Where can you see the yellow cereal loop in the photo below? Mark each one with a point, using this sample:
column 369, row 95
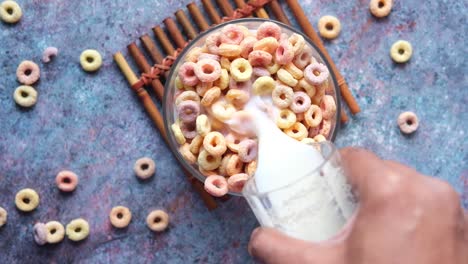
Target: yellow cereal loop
column 263, row 85
column 286, row 119
column 187, row 95
column 307, row 87
column 297, row 131
column 179, row 136
column 319, row 138
column 10, row 12
column 313, row 116
column 196, row 144
column 237, row 97
column 77, row 229
column 210, row 96
column 241, row 70
column 329, row 27
column 207, row 161
column 225, row 63
column 294, row 71
column 223, row 81
column 90, row 60
column 268, row 44
column 223, row 110
column 27, row 200
column 273, row 68
column 3, row 216
column 308, row 141
column 298, row 43
column 178, row 83
column 229, row 50
column 184, row 150
column 25, row 96
column 286, row 77
column 203, row 125
column 55, row 232
column 401, row 51
column 251, row 168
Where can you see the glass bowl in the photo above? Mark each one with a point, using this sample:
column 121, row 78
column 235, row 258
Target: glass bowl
column 169, row 112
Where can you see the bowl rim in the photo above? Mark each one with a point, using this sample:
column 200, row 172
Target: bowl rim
column 174, row 148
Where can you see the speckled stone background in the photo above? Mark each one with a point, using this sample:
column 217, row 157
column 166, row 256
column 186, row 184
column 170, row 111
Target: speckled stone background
column 94, row 125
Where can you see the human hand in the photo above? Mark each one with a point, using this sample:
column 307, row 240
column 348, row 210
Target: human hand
column 404, row 217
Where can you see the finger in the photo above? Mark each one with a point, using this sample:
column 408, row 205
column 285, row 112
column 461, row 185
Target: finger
column 271, row 246
column 400, row 168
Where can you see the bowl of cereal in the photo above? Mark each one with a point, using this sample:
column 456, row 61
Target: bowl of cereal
column 217, row 74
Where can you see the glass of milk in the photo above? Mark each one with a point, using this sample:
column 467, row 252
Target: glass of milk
column 313, row 206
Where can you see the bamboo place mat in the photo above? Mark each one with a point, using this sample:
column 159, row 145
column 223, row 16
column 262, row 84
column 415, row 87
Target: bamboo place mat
column 153, row 73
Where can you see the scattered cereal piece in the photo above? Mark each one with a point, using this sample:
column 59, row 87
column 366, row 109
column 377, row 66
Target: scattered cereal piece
column 10, row 12
column 3, row 216
column 157, row 220
column 90, row 60
column 49, row 53
column 401, row 51
column 55, row 232
column 77, row 229
column 27, row 200
column 144, row 168
column 25, row 96
column 234, row 165
column 66, row 181
column 216, row 185
column 380, row 8
column 120, row 216
column 408, row 122
column 236, row 182
column 28, row 72
column 329, row 27
column 40, row 234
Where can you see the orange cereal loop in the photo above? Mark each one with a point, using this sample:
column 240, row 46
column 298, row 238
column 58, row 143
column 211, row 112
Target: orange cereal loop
column 380, row 8
column 297, row 131
column 66, row 181
column 208, row 161
column 120, row 216
column 223, row 81
column 408, row 122
column 273, row 68
column 202, row 88
column 237, row 97
column 203, row 125
column 184, row 150
column 231, row 34
column 210, row 96
column 179, row 137
column 187, row 96
column 251, row 168
column 282, row 96
column 196, row 144
column 212, row 42
column 215, row 143
column 329, row 27
column 216, row 185
column 224, row 163
column 237, row 181
column 317, row 98
column 313, row 116
column 268, row 44
column 298, row 43
column 157, row 220
column 286, row 119
column 260, row 58
column 216, row 124
column 234, row 165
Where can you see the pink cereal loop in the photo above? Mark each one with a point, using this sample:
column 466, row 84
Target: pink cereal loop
column 216, row 185
column 66, row 181
column 316, row 73
column 408, row 122
column 284, row 53
column 231, row 34
column 207, row 70
column 260, row 71
column 269, row 29
column 189, row 130
column 248, row 150
column 237, row 181
column 313, row 131
column 187, row 73
column 49, row 53
column 260, row 58
column 301, row 102
column 28, row 72
column 245, row 86
column 304, row 58
column 212, row 43
column 325, row 128
column 208, row 56
column 328, row 107
column 247, row 46
column 188, row 111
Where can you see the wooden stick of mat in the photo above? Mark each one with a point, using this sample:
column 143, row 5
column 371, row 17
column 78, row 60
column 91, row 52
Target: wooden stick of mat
column 310, row 32
column 151, row 48
column 226, row 7
column 186, row 24
column 164, row 40
column 261, row 12
column 278, row 12
column 174, row 32
column 212, row 13
column 155, row 115
column 145, row 67
column 197, row 16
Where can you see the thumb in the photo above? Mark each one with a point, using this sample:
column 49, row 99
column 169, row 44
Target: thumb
column 271, row 246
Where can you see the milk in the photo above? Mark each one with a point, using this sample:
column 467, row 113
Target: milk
column 316, row 203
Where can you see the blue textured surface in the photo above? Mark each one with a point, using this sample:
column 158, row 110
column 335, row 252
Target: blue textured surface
column 94, row 125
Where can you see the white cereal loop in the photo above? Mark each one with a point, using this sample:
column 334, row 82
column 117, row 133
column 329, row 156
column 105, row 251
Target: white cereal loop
column 157, row 221
column 25, row 96
column 401, row 51
column 55, row 232
column 282, row 96
column 408, row 122
column 144, row 168
column 380, row 8
column 203, row 125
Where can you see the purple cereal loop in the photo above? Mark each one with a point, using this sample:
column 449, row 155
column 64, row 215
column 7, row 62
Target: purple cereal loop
column 269, row 29
column 284, row 53
column 231, row 34
column 260, row 58
column 49, row 53
column 187, row 73
column 189, row 130
column 188, row 111
column 248, row 150
column 312, row 78
column 207, row 70
column 301, row 102
column 204, row 55
column 260, row 71
column 40, row 234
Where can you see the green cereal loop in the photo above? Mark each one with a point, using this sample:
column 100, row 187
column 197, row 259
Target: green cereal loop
column 90, row 60
column 77, row 229
column 27, row 200
column 401, row 51
column 10, row 12
column 25, row 96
